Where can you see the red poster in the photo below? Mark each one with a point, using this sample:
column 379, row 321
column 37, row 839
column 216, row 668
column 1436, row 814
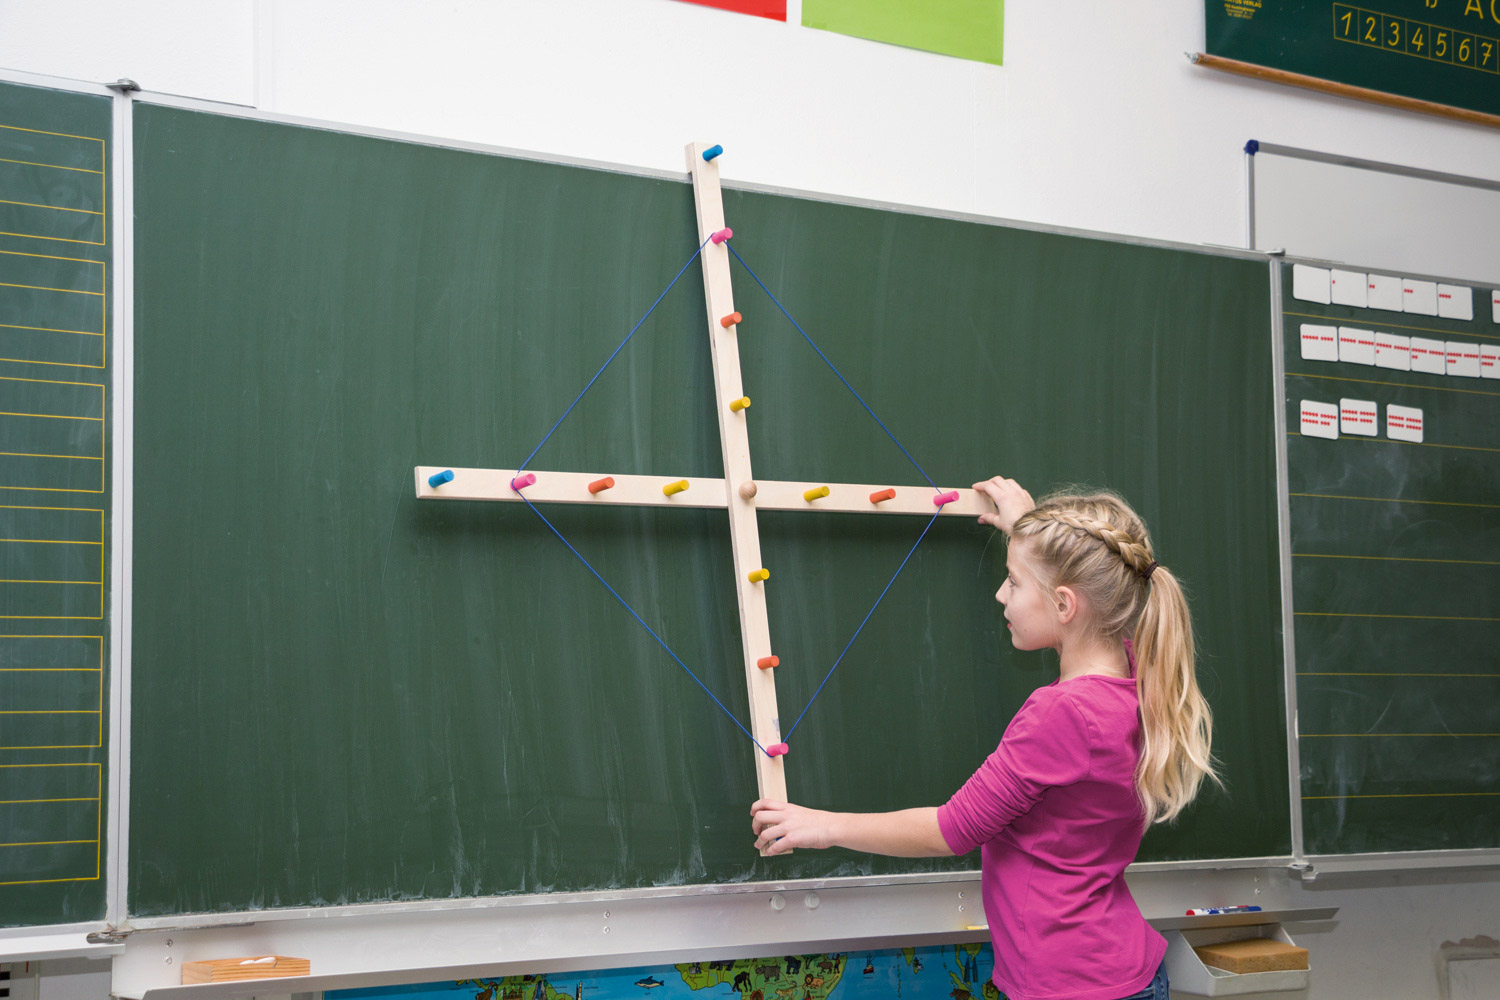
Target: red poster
column 774, row 9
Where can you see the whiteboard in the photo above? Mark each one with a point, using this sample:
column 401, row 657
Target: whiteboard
column 1384, row 216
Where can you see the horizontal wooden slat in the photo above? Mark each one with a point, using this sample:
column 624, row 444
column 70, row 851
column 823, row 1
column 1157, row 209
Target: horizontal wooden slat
column 572, row 487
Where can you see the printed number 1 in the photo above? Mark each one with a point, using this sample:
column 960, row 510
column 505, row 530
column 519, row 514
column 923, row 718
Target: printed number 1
column 1348, row 19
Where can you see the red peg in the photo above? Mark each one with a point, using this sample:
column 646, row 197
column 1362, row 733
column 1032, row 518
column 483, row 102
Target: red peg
column 730, row 320
column 767, row 662
column 776, row 749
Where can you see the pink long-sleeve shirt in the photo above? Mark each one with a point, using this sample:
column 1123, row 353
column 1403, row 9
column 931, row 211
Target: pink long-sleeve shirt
column 1055, row 813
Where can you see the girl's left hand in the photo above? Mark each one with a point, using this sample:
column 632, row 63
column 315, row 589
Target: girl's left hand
column 1011, row 501
column 781, row 826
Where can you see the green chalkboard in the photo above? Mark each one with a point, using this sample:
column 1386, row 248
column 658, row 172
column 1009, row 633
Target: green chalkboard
column 54, row 504
column 1448, row 53
column 341, row 694
column 1395, row 576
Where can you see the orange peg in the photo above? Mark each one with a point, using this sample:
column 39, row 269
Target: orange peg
column 600, row 485
column 731, row 320
column 882, row 495
column 767, row 662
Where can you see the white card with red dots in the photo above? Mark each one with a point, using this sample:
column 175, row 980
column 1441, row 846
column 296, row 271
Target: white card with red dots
column 1463, row 360
column 1489, row 360
column 1419, row 297
column 1455, row 302
column 1403, row 423
column 1347, row 288
column 1359, row 416
column 1356, row 346
column 1385, row 292
column 1430, row 356
column 1392, row 350
column 1310, row 284
column 1495, row 305
column 1320, row 420
column 1320, row 343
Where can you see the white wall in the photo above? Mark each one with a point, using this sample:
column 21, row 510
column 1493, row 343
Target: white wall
column 1095, row 121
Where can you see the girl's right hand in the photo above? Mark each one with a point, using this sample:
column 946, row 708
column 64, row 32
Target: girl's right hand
column 1011, row 501
column 781, row 826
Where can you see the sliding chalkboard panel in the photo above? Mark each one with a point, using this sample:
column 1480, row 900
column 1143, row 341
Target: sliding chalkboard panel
column 342, row 695
column 54, row 504
column 1396, row 560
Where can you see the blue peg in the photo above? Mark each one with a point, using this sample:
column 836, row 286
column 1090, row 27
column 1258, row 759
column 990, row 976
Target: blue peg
column 711, row 152
column 439, row 478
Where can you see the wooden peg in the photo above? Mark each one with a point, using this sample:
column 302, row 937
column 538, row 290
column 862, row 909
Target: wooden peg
column 748, row 489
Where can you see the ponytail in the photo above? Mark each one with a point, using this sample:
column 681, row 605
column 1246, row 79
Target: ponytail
column 1096, row 544
column 1176, row 724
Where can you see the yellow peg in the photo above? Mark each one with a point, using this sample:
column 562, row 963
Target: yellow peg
column 673, row 488
column 740, row 404
column 759, row 575
column 817, row 494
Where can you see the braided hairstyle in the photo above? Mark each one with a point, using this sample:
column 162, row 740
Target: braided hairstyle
column 1095, row 544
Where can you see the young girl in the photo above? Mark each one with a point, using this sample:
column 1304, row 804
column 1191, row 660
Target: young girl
column 1119, row 741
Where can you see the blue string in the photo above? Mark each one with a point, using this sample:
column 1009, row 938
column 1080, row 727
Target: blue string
column 830, row 364
column 617, row 350
column 787, row 738
column 638, row 618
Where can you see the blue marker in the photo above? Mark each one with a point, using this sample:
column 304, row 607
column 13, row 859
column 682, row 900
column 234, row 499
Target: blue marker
column 439, row 478
column 1212, row 910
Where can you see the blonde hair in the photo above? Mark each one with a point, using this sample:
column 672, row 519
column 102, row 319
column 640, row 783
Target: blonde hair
column 1095, row 544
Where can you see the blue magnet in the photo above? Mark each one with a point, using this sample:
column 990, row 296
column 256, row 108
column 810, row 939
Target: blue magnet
column 439, row 478
column 711, row 152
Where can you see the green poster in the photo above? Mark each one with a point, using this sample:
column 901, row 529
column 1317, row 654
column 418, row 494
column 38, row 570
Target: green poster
column 968, row 29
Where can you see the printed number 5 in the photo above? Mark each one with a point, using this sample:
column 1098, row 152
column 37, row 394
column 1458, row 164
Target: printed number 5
column 1440, row 45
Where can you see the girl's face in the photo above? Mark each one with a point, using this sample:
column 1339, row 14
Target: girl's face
column 1031, row 611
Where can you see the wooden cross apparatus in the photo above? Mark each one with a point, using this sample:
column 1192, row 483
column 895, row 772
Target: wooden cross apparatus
column 738, row 492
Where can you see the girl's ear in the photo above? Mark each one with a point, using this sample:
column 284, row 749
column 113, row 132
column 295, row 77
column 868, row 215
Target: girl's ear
column 1067, row 604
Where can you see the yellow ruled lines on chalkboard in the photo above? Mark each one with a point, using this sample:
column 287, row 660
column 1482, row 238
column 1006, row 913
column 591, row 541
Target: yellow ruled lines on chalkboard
column 1393, row 673
column 1410, row 795
column 1395, row 326
column 54, row 208
column 1439, row 503
column 1394, row 385
column 1356, row 614
column 1414, row 559
column 1414, row 444
column 1384, row 325
column 50, row 166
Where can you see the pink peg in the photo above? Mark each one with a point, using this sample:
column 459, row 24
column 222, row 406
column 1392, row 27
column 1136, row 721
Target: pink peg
column 521, row 482
column 776, row 749
column 945, row 498
column 722, row 235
